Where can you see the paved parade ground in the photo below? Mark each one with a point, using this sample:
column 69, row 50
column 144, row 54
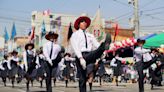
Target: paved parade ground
column 73, row 87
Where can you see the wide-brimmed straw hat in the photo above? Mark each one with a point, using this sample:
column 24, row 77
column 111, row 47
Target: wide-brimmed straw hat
column 52, row 35
column 80, row 19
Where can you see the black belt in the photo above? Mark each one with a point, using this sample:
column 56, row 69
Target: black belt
column 84, row 52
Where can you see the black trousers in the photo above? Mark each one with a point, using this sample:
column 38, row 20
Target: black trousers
column 48, row 69
column 140, row 66
column 90, row 57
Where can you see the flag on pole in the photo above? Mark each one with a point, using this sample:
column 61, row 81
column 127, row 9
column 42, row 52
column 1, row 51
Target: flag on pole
column 13, row 32
column 32, row 35
column 46, row 12
column 43, row 30
column 58, row 20
column 6, row 35
column 70, row 31
column 116, row 32
column 59, row 31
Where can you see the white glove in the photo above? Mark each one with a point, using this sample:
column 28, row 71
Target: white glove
column 83, row 63
column 50, row 62
column 37, row 66
column 64, row 66
column 26, row 68
column 2, row 68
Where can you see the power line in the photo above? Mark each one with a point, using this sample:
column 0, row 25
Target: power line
column 153, row 9
column 121, row 3
column 149, row 3
column 12, row 10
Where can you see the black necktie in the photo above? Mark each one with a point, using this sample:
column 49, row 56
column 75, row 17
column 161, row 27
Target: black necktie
column 86, row 45
column 51, row 50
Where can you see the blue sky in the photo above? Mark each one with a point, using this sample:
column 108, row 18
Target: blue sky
column 19, row 11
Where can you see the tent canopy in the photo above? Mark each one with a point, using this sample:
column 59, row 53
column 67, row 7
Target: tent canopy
column 147, row 36
column 155, row 41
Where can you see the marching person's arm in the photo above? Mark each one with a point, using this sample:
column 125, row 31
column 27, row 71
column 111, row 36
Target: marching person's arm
column 46, row 54
column 1, row 66
column 25, row 60
column 112, row 63
column 9, row 64
column 75, row 45
column 120, row 59
column 61, row 64
column 72, row 59
column 141, row 51
column 37, row 61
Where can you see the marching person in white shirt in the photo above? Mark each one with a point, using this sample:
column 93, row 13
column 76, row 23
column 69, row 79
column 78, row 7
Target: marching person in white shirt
column 4, row 68
column 143, row 60
column 83, row 42
column 51, row 51
column 13, row 72
column 40, row 61
column 116, row 63
column 29, row 62
column 65, row 63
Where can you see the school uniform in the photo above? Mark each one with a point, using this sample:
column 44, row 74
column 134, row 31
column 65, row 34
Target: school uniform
column 52, row 55
column 4, row 70
column 40, row 61
column 14, row 67
column 83, row 44
column 142, row 61
column 29, row 61
column 117, row 66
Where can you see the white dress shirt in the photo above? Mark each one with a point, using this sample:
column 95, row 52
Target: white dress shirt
column 47, row 50
column 78, row 42
column 113, row 61
column 140, row 53
column 8, row 64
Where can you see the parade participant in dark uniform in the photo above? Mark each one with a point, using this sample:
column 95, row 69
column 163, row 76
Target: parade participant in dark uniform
column 155, row 70
column 40, row 61
column 29, row 61
column 13, row 73
column 21, row 71
column 83, row 43
column 116, row 63
column 4, row 69
column 141, row 62
column 66, row 61
column 51, row 51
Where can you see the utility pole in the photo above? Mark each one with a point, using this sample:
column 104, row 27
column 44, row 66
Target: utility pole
column 136, row 19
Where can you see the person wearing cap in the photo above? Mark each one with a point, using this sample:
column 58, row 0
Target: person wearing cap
column 29, row 62
column 142, row 61
column 13, row 72
column 83, row 43
column 51, row 51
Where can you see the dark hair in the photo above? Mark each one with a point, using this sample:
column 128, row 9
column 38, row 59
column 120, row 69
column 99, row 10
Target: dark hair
column 5, row 56
column 81, row 21
column 67, row 54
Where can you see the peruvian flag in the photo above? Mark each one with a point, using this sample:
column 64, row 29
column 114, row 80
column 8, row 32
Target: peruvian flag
column 46, row 12
column 32, row 35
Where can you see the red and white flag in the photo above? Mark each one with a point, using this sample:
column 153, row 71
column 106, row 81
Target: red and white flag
column 46, row 12
column 32, row 35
